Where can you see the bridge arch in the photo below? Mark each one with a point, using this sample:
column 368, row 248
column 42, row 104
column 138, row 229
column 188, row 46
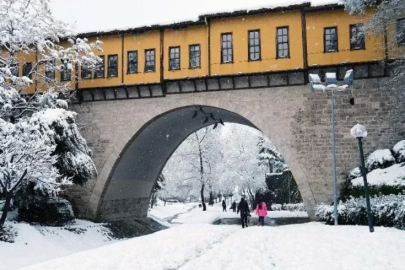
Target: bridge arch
column 126, row 191
column 294, row 118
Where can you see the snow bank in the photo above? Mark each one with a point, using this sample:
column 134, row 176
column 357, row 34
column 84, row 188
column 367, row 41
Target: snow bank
column 35, row 244
column 391, row 176
column 201, row 246
column 381, row 158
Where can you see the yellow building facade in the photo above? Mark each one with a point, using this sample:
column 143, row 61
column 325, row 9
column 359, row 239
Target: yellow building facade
column 267, row 41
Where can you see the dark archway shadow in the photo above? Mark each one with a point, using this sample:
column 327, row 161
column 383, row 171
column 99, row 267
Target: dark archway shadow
column 129, row 185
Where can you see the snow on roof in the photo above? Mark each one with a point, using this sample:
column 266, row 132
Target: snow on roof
column 122, row 15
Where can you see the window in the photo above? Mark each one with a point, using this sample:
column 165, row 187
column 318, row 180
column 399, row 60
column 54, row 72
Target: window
column 226, row 48
column 14, row 70
column 282, row 42
column 174, row 58
column 27, row 68
column 330, row 39
column 99, row 70
column 49, row 71
column 357, row 37
column 86, row 73
column 150, row 60
column 195, row 56
column 112, row 66
column 132, row 62
column 401, row 31
column 254, row 45
column 65, row 73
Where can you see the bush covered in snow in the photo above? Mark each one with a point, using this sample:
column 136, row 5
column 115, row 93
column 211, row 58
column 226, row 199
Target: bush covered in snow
column 399, row 151
column 50, row 212
column 387, row 211
column 381, row 158
column 293, row 207
column 8, row 234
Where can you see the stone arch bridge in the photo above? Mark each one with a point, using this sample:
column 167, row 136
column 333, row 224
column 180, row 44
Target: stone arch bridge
column 133, row 138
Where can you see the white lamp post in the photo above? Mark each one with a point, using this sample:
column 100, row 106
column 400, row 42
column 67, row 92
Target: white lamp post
column 359, row 132
column 331, row 84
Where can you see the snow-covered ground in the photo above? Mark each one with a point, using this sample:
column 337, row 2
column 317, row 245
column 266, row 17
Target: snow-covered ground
column 191, row 213
column 204, row 246
column 35, row 244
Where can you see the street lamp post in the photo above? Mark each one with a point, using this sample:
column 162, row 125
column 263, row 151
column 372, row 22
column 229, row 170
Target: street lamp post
column 331, row 84
column 359, row 132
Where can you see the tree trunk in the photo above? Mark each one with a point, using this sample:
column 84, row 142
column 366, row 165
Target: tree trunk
column 5, row 210
column 251, row 197
column 211, row 200
column 202, row 198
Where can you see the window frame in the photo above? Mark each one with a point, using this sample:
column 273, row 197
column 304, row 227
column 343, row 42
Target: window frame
column 24, row 69
column 250, row 45
column 96, row 69
column 324, row 39
column 352, row 48
column 136, row 62
column 399, row 41
column 62, row 79
column 170, row 58
column 199, row 55
column 154, row 60
column 222, row 49
column 108, row 66
column 288, row 42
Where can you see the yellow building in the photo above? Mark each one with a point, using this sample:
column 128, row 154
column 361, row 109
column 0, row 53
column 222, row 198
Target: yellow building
column 259, row 48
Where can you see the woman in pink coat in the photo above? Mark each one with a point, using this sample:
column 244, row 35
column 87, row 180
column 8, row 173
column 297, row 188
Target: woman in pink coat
column 261, row 211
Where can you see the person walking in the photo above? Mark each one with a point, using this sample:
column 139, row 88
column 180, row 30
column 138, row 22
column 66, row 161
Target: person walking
column 223, row 206
column 243, row 208
column 261, row 211
column 233, row 206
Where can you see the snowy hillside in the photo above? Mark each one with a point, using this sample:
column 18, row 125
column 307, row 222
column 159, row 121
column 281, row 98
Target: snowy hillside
column 39, row 243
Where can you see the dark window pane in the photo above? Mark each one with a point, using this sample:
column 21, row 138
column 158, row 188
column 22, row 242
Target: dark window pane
column 401, row 31
column 99, row 70
column 27, row 68
column 174, row 61
column 254, row 45
column 49, row 71
column 330, row 39
column 112, row 66
column 357, row 37
column 132, row 62
column 282, row 42
column 194, row 56
column 65, row 73
column 226, row 49
column 150, row 60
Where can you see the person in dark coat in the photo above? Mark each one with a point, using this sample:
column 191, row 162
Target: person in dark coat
column 223, row 206
column 243, row 208
column 233, row 207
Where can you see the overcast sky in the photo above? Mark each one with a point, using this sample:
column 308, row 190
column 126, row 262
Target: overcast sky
column 96, row 15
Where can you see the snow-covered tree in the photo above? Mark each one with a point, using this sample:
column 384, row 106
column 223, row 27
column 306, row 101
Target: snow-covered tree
column 42, row 119
column 26, row 156
column 269, row 157
column 28, row 27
